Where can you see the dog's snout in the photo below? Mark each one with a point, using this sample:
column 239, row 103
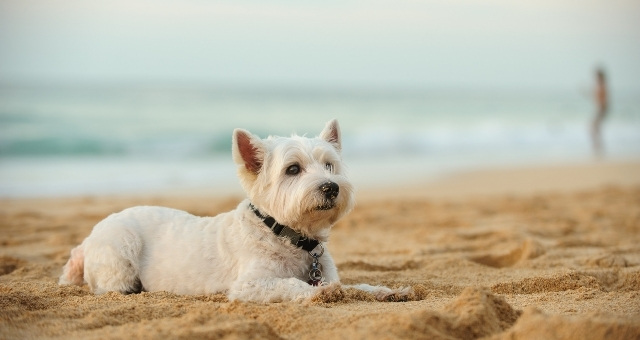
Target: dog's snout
column 330, row 190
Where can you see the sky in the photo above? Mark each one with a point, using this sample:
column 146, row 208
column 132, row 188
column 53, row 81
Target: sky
column 491, row 44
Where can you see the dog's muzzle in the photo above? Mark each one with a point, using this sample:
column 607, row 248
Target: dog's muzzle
column 330, row 190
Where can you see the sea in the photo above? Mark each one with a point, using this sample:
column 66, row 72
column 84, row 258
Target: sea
column 83, row 140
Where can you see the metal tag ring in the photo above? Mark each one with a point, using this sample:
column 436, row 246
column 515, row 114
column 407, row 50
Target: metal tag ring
column 315, row 274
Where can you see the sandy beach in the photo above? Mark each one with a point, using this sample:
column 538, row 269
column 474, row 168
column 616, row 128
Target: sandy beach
column 530, row 253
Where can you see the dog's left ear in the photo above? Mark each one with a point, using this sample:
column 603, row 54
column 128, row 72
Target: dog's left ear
column 331, row 134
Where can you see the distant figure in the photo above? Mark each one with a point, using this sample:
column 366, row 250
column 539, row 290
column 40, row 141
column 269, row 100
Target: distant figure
column 602, row 103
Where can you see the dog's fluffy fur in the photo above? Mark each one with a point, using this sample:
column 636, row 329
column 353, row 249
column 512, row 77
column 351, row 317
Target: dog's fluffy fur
column 161, row 249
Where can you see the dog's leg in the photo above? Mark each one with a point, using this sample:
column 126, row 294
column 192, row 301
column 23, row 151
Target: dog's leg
column 112, row 261
column 292, row 289
column 273, row 290
column 383, row 293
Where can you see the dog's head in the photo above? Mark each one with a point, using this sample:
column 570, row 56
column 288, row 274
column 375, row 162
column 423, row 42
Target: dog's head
column 299, row 181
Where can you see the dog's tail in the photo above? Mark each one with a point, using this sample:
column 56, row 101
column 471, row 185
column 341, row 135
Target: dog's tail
column 73, row 271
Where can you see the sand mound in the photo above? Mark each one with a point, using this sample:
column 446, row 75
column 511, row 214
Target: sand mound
column 473, row 314
column 534, row 324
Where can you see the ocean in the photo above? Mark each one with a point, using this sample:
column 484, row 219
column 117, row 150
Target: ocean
column 96, row 140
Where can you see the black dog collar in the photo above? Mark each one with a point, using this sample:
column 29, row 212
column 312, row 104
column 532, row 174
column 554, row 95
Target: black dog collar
column 294, row 237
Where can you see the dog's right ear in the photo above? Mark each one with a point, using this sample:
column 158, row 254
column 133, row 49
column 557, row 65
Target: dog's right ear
column 248, row 151
column 331, row 134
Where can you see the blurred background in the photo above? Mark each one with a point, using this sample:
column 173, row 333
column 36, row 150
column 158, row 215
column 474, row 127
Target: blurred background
column 130, row 96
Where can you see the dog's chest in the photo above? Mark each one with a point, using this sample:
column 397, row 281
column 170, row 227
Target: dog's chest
column 281, row 260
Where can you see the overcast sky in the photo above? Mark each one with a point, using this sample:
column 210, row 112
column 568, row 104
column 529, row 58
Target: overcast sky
column 493, row 44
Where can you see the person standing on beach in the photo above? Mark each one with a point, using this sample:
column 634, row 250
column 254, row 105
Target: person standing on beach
column 602, row 102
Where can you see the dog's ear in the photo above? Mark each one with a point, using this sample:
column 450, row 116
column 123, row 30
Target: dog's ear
column 248, row 150
column 331, row 134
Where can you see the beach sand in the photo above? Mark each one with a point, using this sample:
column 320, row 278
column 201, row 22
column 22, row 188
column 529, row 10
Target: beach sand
column 537, row 253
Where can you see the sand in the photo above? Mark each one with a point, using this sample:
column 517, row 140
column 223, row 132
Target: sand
column 539, row 253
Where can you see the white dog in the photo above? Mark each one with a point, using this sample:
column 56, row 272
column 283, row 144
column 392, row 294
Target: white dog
column 272, row 247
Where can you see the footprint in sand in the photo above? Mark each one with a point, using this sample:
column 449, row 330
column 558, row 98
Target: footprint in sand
column 9, row 264
column 529, row 249
column 608, row 261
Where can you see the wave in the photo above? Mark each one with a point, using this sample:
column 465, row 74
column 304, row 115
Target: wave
column 363, row 142
column 94, row 146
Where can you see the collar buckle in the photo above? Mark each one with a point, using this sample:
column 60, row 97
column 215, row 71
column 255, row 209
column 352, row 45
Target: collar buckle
column 291, row 234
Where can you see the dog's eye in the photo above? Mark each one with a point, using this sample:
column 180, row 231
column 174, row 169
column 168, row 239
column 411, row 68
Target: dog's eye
column 293, row 169
column 328, row 166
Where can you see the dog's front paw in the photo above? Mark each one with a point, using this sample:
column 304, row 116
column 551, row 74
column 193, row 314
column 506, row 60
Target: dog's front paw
column 394, row 295
column 382, row 293
column 329, row 293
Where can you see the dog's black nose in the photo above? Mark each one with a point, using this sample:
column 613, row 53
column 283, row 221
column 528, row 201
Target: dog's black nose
column 330, row 190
